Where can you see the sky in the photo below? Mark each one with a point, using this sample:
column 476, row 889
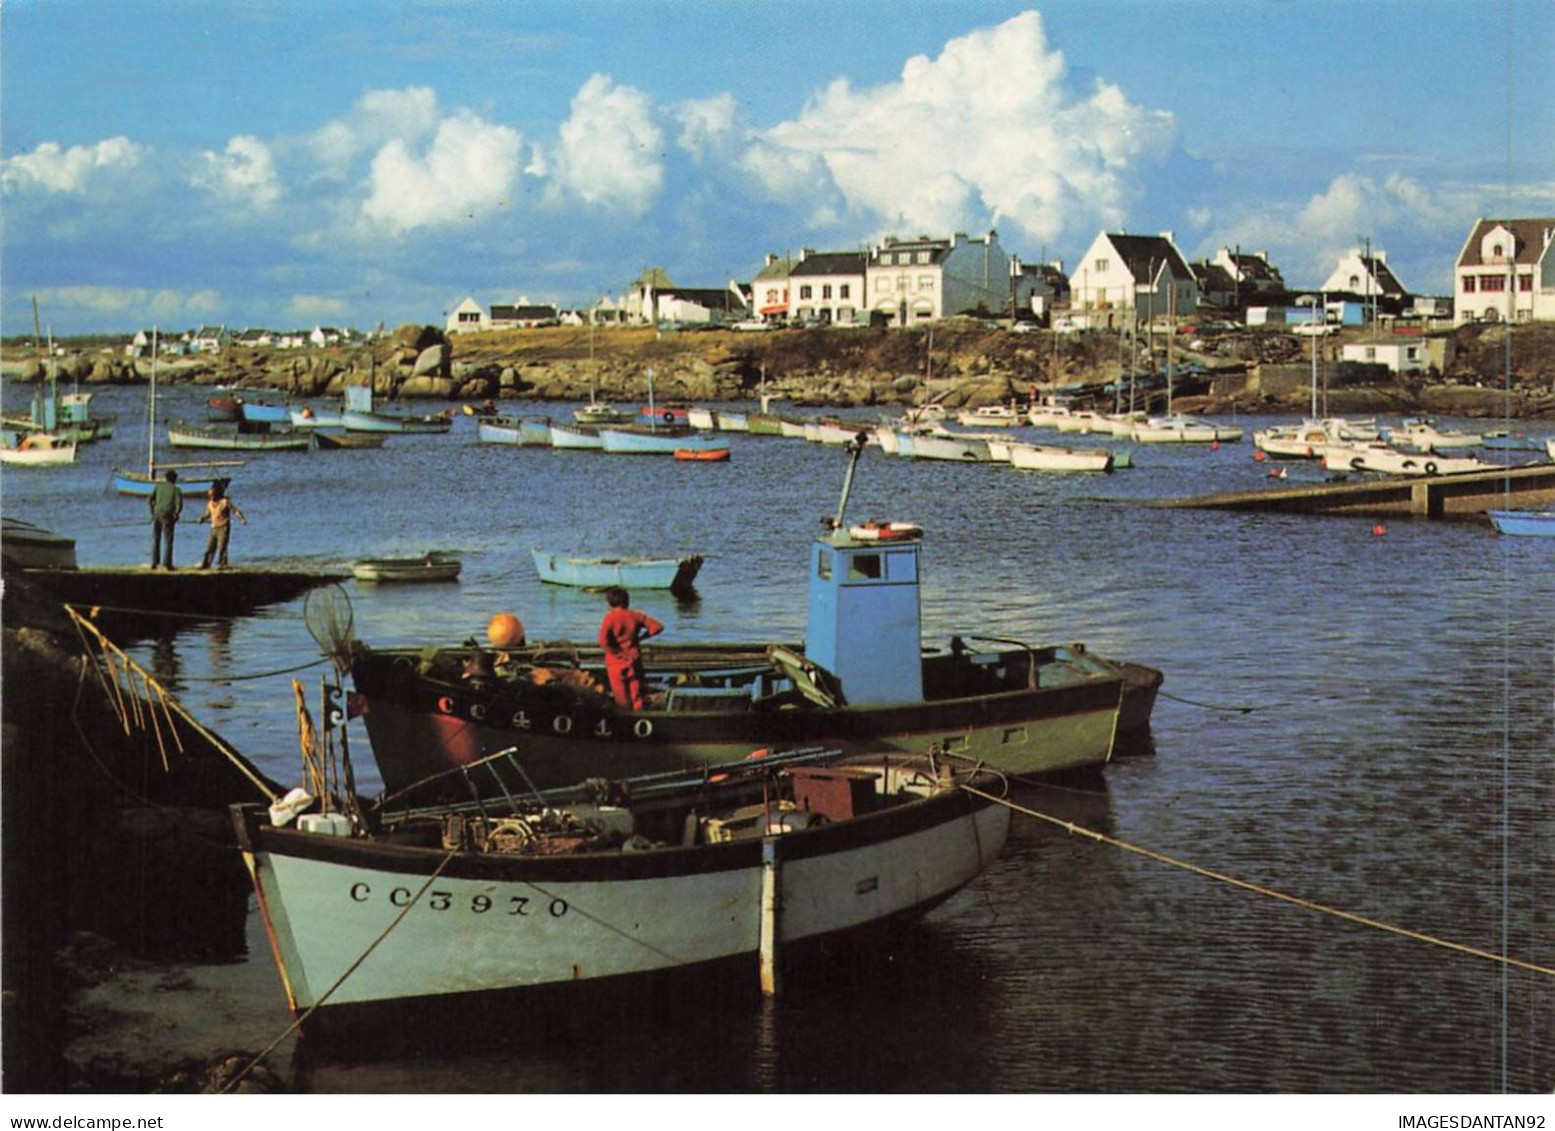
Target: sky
column 288, row 163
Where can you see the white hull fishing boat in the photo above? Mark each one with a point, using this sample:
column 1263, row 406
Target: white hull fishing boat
column 596, row 413
column 1041, row 457
column 39, row 449
column 576, row 437
column 1424, row 436
column 1179, row 429
column 733, row 421
column 942, row 445
column 697, row 873
column 309, row 417
column 791, row 427
column 701, row 417
column 644, row 439
column 183, row 435
column 518, row 431
column 1083, row 422
column 991, row 416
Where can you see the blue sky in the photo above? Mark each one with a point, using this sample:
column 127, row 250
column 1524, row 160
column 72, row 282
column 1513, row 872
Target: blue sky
column 292, row 163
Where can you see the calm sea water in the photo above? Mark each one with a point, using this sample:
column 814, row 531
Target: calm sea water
column 1371, row 727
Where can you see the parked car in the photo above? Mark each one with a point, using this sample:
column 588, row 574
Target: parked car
column 752, row 324
column 1025, row 328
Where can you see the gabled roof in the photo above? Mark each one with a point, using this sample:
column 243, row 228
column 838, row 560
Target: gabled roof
column 1528, row 234
column 1141, row 254
column 777, row 269
column 829, row 263
column 1386, row 281
column 1214, row 278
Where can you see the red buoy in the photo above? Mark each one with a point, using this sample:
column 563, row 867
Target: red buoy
column 1258, row 455
column 1379, row 530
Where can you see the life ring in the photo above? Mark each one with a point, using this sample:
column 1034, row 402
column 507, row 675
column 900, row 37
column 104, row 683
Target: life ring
column 669, row 416
column 1357, row 463
column 1430, row 468
column 886, row 532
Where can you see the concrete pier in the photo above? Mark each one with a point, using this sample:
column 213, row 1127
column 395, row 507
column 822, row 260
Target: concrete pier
column 1432, row 496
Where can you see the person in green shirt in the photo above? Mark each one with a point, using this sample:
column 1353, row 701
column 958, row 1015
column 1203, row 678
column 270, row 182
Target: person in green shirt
column 166, row 505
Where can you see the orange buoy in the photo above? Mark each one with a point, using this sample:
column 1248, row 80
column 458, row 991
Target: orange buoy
column 1214, row 445
column 1258, row 455
column 505, row 631
column 1379, row 530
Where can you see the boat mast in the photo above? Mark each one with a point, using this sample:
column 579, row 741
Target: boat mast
column 1171, row 341
column 855, row 448
column 151, row 412
column 652, row 416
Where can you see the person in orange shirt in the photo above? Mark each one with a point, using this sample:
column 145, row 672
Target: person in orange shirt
column 219, row 510
column 620, row 633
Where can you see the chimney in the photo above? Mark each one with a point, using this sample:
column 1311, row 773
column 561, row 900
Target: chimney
column 1167, row 236
column 1058, row 265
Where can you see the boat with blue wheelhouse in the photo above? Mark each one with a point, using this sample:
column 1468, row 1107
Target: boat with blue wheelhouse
column 677, row 574
column 647, row 439
column 861, row 679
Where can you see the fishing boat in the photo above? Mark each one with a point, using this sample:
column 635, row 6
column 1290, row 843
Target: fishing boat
column 578, row 437
column 644, row 439
column 861, row 680
column 703, row 455
column 430, row 567
column 945, row 445
column 181, row 434
column 1083, row 422
column 1178, row 428
column 702, row 874
column 763, row 424
column 700, row 416
column 309, row 417
column 520, row 431
column 991, row 416
column 140, row 484
column 359, row 415
column 1549, row 447
column 222, row 408
column 1384, row 459
column 264, row 412
column 1539, row 524
column 1044, row 457
column 1292, row 441
column 1422, row 435
column 332, row 441
column 596, row 413
column 32, row 547
column 38, row 449
column 732, row 421
column 675, row 574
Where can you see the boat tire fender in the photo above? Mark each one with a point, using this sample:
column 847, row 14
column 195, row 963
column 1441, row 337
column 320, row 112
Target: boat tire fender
column 445, row 704
column 1430, row 468
column 1356, row 463
column 669, row 416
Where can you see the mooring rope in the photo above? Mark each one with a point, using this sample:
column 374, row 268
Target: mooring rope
column 1310, row 905
column 1207, row 706
column 253, row 675
column 340, row 981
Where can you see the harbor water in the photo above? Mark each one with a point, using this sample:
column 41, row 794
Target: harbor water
column 1357, row 719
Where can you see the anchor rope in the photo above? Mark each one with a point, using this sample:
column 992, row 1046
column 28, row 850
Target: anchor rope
column 1260, row 889
column 340, row 981
column 1208, row 706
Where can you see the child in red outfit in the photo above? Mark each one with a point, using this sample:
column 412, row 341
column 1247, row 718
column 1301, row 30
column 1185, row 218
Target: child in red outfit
column 619, row 635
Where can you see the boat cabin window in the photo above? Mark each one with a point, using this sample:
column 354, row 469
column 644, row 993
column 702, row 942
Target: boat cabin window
column 864, row 566
column 823, row 565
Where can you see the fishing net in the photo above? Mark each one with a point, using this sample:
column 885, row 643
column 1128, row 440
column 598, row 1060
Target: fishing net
column 327, row 613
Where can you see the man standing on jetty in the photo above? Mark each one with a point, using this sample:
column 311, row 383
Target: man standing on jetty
column 219, row 509
column 620, row 633
column 166, row 505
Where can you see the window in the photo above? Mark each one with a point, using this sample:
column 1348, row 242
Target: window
column 1355, row 282
column 826, row 290
column 842, row 290
column 1102, row 265
column 1468, row 284
column 1495, row 251
column 823, row 565
column 923, row 257
column 804, row 291
column 925, row 282
column 1412, row 353
column 1495, row 283
column 1371, row 353
column 1525, row 282
column 864, row 567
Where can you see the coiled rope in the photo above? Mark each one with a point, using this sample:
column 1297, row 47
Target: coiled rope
column 1221, row 877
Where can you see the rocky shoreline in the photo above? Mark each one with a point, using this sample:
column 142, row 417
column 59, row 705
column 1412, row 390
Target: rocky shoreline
column 957, row 363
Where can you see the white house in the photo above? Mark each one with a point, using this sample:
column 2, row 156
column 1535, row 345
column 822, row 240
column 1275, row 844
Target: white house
column 467, row 317
column 1366, row 276
column 1506, row 270
column 1402, row 355
column 1126, row 278
column 919, row 280
column 324, row 336
column 827, row 286
column 523, row 315
column 209, row 339
column 769, row 289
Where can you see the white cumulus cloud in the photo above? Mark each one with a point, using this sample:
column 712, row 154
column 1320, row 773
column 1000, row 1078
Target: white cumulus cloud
column 244, row 174
column 706, row 124
column 986, row 130
column 378, row 118
column 469, row 167
column 56, row 169
column 609, row 153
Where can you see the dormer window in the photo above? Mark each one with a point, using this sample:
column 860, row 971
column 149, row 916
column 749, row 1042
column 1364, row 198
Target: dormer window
column 1355, row 282
column 1495, row 251
column 923, row 257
